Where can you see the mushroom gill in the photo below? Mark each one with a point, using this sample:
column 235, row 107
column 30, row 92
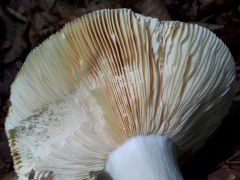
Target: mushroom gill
column 111, row 75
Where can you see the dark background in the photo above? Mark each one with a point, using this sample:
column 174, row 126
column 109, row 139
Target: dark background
column 26, row 23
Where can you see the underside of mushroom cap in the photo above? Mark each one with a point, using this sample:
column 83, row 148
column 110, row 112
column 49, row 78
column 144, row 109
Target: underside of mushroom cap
column 110, row 75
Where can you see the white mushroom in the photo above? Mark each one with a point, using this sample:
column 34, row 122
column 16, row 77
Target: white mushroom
column 118, row 91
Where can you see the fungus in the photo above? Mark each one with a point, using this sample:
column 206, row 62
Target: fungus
column 121, row 92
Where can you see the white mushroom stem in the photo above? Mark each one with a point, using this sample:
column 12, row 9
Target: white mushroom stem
column 144, row 158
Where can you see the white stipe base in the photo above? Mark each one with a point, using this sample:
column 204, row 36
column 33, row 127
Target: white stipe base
column 144, row 158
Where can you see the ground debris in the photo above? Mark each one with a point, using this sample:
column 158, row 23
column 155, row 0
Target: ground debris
column 228, row 169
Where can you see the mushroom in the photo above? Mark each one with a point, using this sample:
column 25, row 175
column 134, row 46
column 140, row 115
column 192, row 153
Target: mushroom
column 120, row 92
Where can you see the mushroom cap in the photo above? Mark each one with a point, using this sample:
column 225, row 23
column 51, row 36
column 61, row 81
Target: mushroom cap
column 111, row 75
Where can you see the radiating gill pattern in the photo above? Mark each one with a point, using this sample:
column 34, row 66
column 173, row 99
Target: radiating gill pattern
column 110, row 75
